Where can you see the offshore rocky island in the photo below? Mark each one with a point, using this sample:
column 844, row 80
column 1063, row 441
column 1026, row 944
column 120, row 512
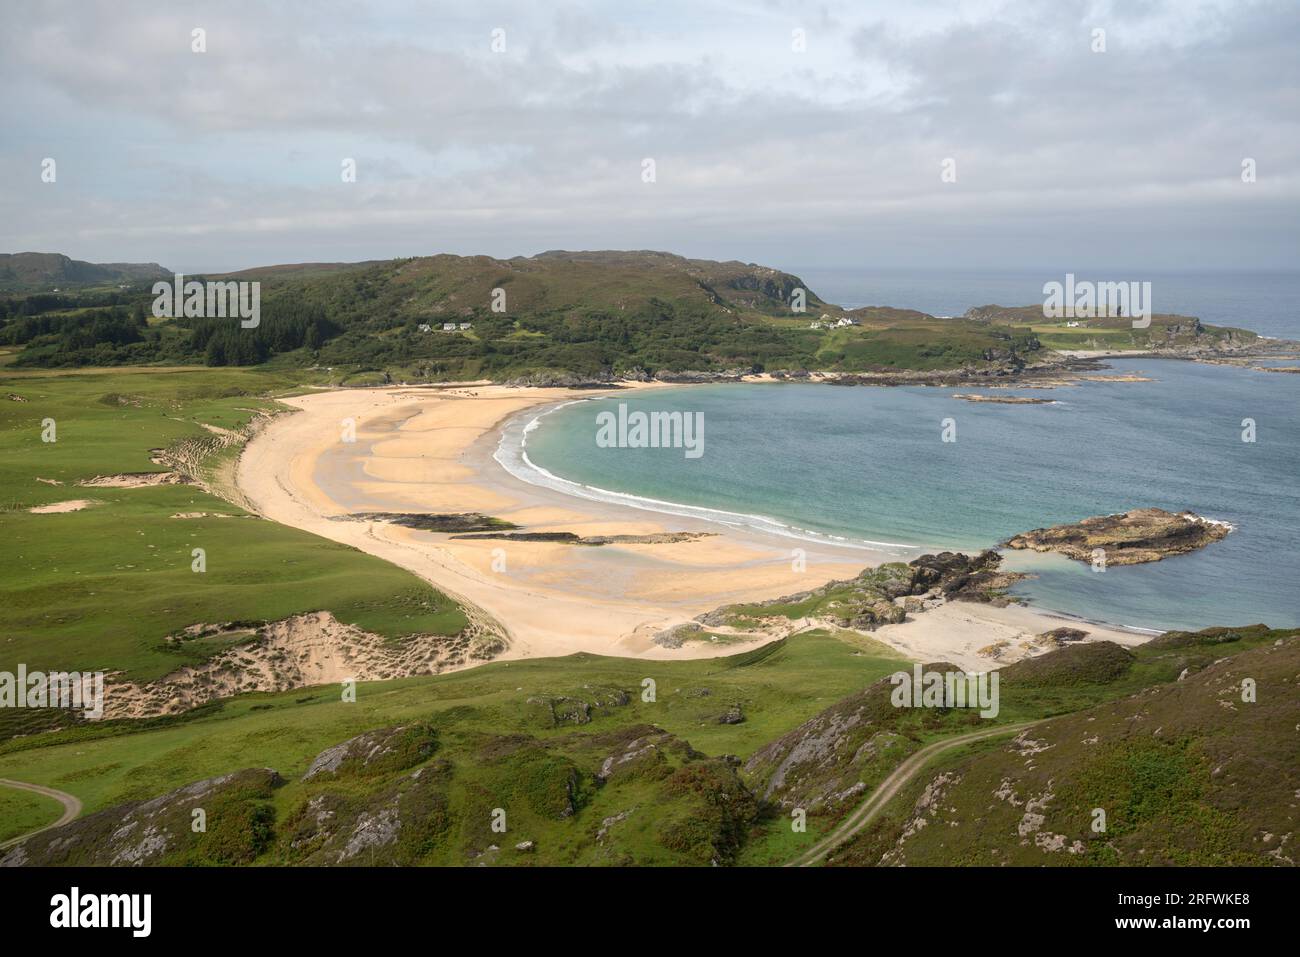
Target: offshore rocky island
column 1129, row 538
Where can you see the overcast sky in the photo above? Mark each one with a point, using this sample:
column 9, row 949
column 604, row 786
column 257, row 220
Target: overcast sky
column 1064, row 157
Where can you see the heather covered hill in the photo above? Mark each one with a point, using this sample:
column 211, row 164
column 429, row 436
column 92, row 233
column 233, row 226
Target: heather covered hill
column 425, row 795
column 557, row 315
column 1202, row 770
column 44, row 272
column 559, row 761
column 561, row 316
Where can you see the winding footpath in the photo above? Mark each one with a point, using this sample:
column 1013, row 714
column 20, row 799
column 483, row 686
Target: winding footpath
column 71, row 808
column 897, row 780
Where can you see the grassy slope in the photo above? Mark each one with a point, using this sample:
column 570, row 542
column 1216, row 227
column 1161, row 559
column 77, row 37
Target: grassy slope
column 498, row 745
column 569, row 314
column 100, row 588
column 23, row 811
column 41, row 272
column 1187, row 773
column 1066, row 682
column 777, row 687
column 584, row 314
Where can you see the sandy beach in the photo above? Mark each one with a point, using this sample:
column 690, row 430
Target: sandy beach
column 429, row 449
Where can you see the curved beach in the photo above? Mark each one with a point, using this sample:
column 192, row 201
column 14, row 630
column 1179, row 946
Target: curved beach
column 430, row 449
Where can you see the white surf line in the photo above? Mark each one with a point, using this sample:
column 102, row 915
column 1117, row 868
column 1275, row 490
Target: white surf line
column 518, row 464
column 524, row 469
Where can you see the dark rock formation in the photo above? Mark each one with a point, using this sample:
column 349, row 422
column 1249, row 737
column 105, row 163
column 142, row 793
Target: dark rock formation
column 1128, row 538
column 963, row 577
column 428, row 522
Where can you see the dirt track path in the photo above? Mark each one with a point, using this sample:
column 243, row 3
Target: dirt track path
column 71, row 807
column 882, row 795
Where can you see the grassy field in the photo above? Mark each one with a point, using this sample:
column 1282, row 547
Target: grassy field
column 777, row 687
column 23, row 811
column 531, row 736
column 918, row 345
column 100, row 588
column 503, row 731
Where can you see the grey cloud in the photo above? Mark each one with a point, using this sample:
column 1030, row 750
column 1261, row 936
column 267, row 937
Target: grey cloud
column 836, row 154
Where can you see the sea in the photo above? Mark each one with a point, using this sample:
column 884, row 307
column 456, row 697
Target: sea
column 869, row 467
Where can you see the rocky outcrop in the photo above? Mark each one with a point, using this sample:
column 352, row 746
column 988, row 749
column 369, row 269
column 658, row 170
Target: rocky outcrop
column 820, row 765
column 393, row 825
column 962, row 577
column 695, row 376
column 376, row 752
column 883, row 595
column 824, row 764
column 554, row 711
column 1128, row 538
column 221, row 820
column 1059, row 637
column 733, row 715
column 678, row 635
column 560, row 379
column 863, row 602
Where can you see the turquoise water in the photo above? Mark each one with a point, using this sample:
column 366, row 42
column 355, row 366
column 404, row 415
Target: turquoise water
column 868, row 464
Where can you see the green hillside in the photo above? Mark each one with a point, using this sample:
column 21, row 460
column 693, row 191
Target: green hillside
column 104, row 586
column 558, row 314
column 1191, row 771
column 585, row 770
column 51, row 272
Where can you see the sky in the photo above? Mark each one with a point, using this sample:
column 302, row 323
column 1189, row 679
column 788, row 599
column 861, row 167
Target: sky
column 937, row 136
